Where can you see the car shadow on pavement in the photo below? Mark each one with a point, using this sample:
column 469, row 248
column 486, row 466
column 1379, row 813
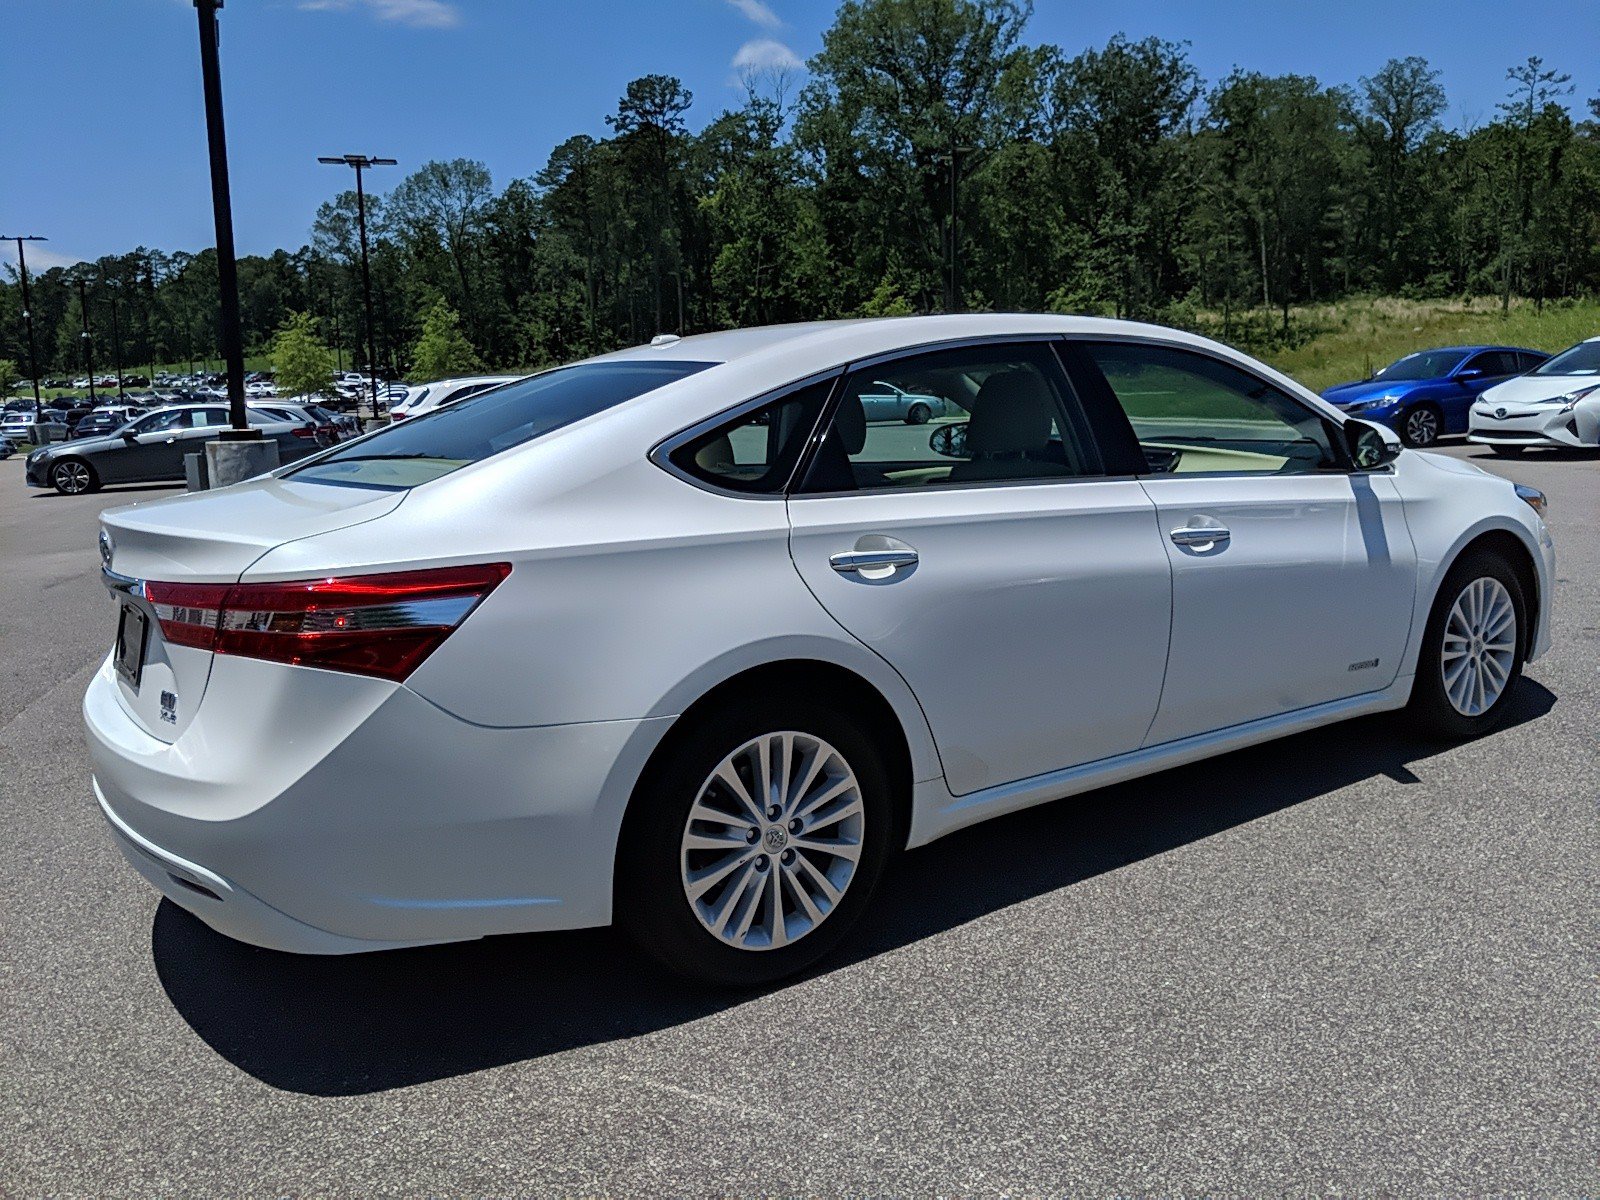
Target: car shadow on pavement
column 367, row 1023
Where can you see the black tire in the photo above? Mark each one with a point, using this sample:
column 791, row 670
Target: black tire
column 1507, row 451
column 1430, row 707
column 73, row 477
column 1421, row 426
column 651, row 900
column 918, row 414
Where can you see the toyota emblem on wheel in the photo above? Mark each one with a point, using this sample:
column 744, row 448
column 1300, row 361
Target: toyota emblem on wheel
column 776, row 839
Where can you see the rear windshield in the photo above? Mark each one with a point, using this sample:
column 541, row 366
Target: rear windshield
column 435, row 443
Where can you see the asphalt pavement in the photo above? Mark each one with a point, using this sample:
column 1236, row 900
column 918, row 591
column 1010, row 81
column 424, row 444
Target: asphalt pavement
column 1345, row 962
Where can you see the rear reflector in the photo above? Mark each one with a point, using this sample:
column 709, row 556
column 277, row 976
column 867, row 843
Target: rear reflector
column 381, row 625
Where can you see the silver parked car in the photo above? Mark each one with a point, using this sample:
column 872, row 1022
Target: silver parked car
column 151, row 448
column 886, row 402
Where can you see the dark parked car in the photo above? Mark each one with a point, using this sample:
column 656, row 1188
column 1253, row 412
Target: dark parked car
column 1428, row 394
column 151, row 448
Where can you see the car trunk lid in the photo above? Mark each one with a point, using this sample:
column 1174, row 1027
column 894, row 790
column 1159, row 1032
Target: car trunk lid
column 198, row 539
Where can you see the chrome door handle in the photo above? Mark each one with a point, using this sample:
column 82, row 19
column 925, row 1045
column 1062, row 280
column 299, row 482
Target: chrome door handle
column 847, row 561
column 1190, row 536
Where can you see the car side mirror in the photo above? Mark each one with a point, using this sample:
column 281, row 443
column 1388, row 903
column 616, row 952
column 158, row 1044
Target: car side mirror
column 129, row 436
column 1469, row 374
column 1371, row 446
column 949, row 440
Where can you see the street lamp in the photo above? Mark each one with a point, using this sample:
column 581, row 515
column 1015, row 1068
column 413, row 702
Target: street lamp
column 27, row 320
column 951, row 157
column 88, row 342
column 361, row 162
column 116, row 336
column 222, row 209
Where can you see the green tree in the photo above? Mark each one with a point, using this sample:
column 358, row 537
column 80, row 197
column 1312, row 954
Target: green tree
column 301, row 361
column 8, row 376
column 442, row 350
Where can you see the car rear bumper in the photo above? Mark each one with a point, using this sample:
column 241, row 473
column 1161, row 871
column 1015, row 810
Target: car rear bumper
column 334, row 814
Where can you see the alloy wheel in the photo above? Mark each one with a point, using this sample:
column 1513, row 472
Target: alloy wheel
column 71, row 477
column 1479, row 648
column 772, row 840
column 1422, row 427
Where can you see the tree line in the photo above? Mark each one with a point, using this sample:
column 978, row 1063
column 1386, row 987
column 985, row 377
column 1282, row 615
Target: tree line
column 932, row 159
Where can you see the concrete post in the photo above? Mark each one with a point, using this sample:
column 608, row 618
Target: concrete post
column 232, row 461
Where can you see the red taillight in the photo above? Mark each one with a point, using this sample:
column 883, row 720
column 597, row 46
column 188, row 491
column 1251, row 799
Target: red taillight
column 305, row 431
column 382, row 625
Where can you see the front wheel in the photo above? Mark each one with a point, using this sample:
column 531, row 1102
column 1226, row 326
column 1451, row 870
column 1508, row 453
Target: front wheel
column 755, row 843
column 918, row 414
column 73, row 477
column 1421, row 426
column 1472, row 648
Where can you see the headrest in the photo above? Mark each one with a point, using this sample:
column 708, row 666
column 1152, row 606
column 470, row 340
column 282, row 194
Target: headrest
column 851, row 424
column 1011, row 413
column 715, row 456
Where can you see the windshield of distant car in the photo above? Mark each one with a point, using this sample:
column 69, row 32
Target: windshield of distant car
column 1582, row 359
column 1429, row 364
column 435, row 443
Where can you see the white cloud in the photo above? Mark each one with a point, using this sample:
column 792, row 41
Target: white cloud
column 418, row 14
column 758, row 12
column 765, row 54
column 40, row 259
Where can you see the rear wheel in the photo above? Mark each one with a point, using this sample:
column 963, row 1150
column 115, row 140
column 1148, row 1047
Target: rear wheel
column 1508, row 451
column 73, row 477
column 1421, row 426
column 918, row 414
column 755, row 843
column 1472, row 648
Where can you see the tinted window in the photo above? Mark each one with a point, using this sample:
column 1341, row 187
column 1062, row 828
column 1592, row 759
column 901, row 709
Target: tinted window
column 436, row 443
column 756, row 451
column 1493, row 363
column 1194, row 414
column 979, row 414
column 175, row 418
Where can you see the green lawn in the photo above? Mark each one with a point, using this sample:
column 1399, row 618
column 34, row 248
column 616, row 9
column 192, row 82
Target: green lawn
column 1352, row 339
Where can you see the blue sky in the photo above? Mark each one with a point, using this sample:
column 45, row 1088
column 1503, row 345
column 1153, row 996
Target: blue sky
column 105, row 140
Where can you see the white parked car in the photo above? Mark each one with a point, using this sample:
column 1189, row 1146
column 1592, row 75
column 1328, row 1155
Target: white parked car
column 675, row 637
column 426, row 397
column 1555, row 404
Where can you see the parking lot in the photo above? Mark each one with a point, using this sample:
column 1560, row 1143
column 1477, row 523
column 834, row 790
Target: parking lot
column 1344, row 962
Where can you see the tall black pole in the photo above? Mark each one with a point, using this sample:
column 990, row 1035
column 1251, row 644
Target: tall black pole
column 27, row 321
column 88, row 342
column 366, row 290
column 222, row 207
column 116, row 344
column 955, row 279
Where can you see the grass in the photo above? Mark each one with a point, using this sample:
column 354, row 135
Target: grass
column 1351, row 339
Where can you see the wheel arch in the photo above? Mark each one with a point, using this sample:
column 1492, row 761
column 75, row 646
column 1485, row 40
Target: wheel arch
column 1511, row 546
column 839, row 686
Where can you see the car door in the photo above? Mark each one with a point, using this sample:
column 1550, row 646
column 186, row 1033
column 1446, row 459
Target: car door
column 1021, row 592
column 1472, row 378
column 882, row 401
column 155, row 453
column 1293, row 575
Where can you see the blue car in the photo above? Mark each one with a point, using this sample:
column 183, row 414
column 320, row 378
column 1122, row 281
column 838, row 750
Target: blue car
column 1428, row 394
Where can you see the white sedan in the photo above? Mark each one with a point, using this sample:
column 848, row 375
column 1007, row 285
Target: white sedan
column 1555, row 404
column 675, row 637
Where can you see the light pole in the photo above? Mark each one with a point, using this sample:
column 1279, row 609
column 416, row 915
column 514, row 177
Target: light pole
column 116, row 337
column 88, row 342
column 222, row 209
column 951, row 157
column 27, row 321
column 361, row 162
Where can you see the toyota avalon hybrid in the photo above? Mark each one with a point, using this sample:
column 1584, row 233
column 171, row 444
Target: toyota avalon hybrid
column 676, row 637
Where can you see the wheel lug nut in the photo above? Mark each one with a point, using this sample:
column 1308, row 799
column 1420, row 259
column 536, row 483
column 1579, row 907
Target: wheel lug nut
column 774, row 812
column 788, row 856
column 762, row 864
column 750, row 835
column 795, row 826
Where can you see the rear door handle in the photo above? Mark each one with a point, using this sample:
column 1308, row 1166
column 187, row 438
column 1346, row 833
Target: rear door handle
column 848, row 561
column 1191, row 536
